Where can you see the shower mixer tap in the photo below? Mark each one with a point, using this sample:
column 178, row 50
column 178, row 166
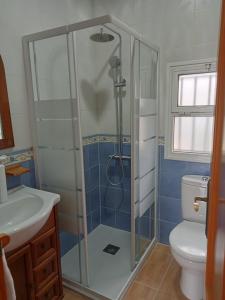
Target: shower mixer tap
column 121, row 83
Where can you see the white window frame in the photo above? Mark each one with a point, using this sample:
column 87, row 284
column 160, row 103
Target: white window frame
column 174, row 70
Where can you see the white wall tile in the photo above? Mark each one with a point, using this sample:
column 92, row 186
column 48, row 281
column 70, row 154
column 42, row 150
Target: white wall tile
column 18, row 18
column 184, row 30
column 21, row 131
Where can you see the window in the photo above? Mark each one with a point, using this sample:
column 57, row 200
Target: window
column 191, row 95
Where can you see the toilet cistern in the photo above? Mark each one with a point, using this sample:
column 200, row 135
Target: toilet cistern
column 199, row 199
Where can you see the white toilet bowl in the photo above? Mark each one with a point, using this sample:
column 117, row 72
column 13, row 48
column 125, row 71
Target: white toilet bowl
column 189, row 246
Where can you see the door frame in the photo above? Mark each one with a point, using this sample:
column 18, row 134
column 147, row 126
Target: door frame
column 213, row 287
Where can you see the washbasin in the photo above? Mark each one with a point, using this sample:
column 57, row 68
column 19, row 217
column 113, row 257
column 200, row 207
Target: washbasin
column 25, row 213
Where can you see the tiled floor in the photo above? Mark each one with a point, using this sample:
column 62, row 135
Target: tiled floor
column 157, row 280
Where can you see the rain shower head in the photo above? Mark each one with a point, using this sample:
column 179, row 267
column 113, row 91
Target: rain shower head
column 102, row 37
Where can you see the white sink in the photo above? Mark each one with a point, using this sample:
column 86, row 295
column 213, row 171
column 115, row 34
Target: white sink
column 25, row 213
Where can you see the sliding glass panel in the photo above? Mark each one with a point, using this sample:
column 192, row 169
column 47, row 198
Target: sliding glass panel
column 145, row 62
column 57, row 145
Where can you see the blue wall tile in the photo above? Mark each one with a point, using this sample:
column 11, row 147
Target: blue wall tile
column 127, row 149
column 108, row 216
column 96, row 220
column 105, row 149
column 105, row 203
column 172, row 171
column 123, row 221
column 13, row 181
column 86, row 157
column 27, row 179
column 92, row 200
column 89, row 223
column 67, row 241
column 91, row 178
column 170, row 209
column 144, row 226
column 164, row 231
column 113, row 197
column 93, row 155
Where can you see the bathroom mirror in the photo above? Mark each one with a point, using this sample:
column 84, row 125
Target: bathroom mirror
column 6, row 132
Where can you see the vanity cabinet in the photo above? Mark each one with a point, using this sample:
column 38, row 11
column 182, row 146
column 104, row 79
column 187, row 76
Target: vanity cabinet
column 35, row 266
column 20, row 265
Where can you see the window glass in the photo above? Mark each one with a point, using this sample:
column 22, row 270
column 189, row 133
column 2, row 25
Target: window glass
column 197, row 89
column 193, row 134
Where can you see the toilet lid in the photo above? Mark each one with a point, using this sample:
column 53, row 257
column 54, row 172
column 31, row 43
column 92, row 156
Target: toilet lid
column 189, row 240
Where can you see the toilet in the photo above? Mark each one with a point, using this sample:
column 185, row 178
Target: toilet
column 188, row 240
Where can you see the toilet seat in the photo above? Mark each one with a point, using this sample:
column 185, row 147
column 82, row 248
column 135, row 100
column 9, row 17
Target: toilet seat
column 188, row 240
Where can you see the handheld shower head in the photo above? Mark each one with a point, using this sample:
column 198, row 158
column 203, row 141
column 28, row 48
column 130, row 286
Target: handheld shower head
column 114, row 62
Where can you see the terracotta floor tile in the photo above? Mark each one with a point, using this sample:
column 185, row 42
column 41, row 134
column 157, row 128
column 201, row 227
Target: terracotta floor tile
column 163, row 296
column 171, row 283
column 159, row 252
column 155, row 267
column 139, row 291
column 71, row 295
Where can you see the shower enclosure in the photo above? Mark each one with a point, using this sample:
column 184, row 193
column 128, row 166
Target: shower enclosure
column 93, row 89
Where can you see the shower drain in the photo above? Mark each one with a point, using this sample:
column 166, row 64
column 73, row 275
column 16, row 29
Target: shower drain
column 111, row 249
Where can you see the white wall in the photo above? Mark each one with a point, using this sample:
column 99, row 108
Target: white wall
column 18, row 18
column 95, row 82
column 183, row 29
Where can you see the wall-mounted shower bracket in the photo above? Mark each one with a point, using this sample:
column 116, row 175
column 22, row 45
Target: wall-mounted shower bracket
column 123, row 157
column 121, row 83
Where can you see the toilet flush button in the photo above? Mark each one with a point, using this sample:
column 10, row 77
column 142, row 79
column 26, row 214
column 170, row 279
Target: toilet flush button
column 205, row 178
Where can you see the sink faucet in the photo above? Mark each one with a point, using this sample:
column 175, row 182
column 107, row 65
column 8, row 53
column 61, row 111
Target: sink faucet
column 3, row 185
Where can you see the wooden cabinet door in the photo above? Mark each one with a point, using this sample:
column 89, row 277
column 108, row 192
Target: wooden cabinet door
column 20, row 265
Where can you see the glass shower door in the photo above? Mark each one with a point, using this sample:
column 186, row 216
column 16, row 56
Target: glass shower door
column 57, row 145
column 144, row 163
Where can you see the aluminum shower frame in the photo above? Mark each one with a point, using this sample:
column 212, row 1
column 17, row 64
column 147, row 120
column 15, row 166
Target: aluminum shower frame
column 106, row 21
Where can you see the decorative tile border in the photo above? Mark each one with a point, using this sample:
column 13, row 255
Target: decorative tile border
column 103, row 138
column 161, row 140
column 14, row 158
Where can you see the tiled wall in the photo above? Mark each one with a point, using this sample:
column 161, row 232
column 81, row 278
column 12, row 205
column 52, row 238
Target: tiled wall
column 106, row 203
column 25, row 159
column 17, row 22
column 27, row 179
column 91, row 170
column 169, row 201
column 165, row 24
column 115, row 199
